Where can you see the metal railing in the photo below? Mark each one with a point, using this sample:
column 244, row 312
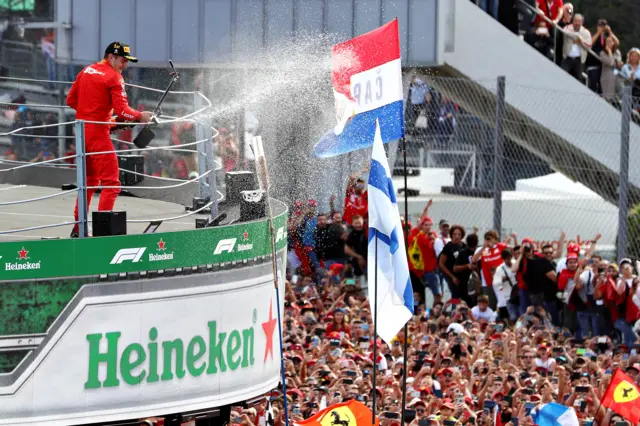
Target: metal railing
column 558, row 30
column 202, row 148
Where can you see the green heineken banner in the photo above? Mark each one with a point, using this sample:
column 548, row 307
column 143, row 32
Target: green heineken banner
column 144, row 252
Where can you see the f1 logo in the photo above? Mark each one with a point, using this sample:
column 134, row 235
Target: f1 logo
column 225, row 245
column 132, row 254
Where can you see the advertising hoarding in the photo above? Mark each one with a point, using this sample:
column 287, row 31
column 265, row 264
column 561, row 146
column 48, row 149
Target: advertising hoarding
column 143, row 252
column 123, row 350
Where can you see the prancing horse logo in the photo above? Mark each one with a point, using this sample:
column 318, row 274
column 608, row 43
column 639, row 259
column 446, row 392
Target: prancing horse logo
column 337, row 421
column 625, row 392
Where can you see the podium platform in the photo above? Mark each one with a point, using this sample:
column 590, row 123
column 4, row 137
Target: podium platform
column 60, row 209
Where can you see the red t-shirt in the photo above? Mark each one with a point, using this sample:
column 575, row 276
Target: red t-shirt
column 69, row 154
column 564, row 277
column 550, row 8
column 338, row 328
column 491, row 259
column 632, row 313
column 429, row 259
column 355, row 204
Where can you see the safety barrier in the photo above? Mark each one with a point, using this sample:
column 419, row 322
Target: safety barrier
column 202, row 148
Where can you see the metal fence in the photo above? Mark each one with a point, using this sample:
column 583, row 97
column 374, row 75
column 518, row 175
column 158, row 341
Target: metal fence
column 488, row 165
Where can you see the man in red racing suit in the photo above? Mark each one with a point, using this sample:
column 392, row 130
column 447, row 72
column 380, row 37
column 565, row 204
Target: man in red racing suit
column 97, row 93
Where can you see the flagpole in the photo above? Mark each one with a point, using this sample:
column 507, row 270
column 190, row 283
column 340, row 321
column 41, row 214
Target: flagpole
column 375, row 331
column 264, row 183
column 405, row 344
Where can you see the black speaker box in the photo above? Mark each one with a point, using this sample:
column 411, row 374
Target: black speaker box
column 239, row 181
column 253, row 205
column 134, row 163
column 108, row 223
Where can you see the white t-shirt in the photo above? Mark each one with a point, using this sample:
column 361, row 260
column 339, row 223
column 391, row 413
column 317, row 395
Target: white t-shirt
column 561, row 265
column 636, row 296
column 548, row 364
column 438, row 245
column 488, row 314
column 503, row 288
column 589, row 275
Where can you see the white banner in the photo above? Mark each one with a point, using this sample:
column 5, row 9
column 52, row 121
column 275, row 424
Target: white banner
column 136, row 349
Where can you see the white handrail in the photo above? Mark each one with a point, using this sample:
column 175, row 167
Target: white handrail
column 178, row 185
column 27, row 131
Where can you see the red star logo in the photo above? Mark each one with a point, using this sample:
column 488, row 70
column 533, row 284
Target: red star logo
column 23, row 253
column 245, row 236
column 268, row 328
column 161, row 244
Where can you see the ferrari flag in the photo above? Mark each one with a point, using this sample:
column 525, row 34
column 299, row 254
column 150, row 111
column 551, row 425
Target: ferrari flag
column 623, row 397
column 352, row 413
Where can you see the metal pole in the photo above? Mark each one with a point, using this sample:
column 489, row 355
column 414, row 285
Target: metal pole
column 498, row 154
column 242, row 143
column 265, row 182
column 61, row 119
column 555, row 42
column 34, row 67
column 405, row 231
column 208, row 184
column 202, row 155
column 375, row 330
column 211, row 183
column 623, row 198
column 81, row 159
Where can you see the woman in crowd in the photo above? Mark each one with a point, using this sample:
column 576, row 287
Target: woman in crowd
column 611, row 59
column 339, row 323
column 631, row 71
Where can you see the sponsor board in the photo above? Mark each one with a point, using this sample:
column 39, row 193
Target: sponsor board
column 133, row 351
column 133, row 253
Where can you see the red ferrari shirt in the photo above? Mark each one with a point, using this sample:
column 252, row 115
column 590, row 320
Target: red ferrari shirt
column 429, row 259
column 97, row 91
column 355, row 204
column 491, row 259
column 550, row 8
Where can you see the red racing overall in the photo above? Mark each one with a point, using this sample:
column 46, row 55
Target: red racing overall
column 97, row 92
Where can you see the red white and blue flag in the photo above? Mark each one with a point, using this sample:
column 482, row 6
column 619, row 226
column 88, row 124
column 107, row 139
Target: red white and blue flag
column 366, row 75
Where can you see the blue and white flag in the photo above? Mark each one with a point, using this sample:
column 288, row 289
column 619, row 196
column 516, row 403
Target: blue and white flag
column 554, row 414
column 389, row 261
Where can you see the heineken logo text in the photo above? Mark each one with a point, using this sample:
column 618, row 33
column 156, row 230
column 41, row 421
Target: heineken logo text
column 21, row 266
column 22, row 262
column 162, row 256
column 166, row 360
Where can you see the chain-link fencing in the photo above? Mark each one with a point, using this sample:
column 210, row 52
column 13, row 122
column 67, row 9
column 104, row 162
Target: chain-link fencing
column 539, row 177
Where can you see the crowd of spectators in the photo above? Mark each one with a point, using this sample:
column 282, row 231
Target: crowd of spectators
column 33, row 145
column 588, row 50
column 429, row 113
column 497, row 322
